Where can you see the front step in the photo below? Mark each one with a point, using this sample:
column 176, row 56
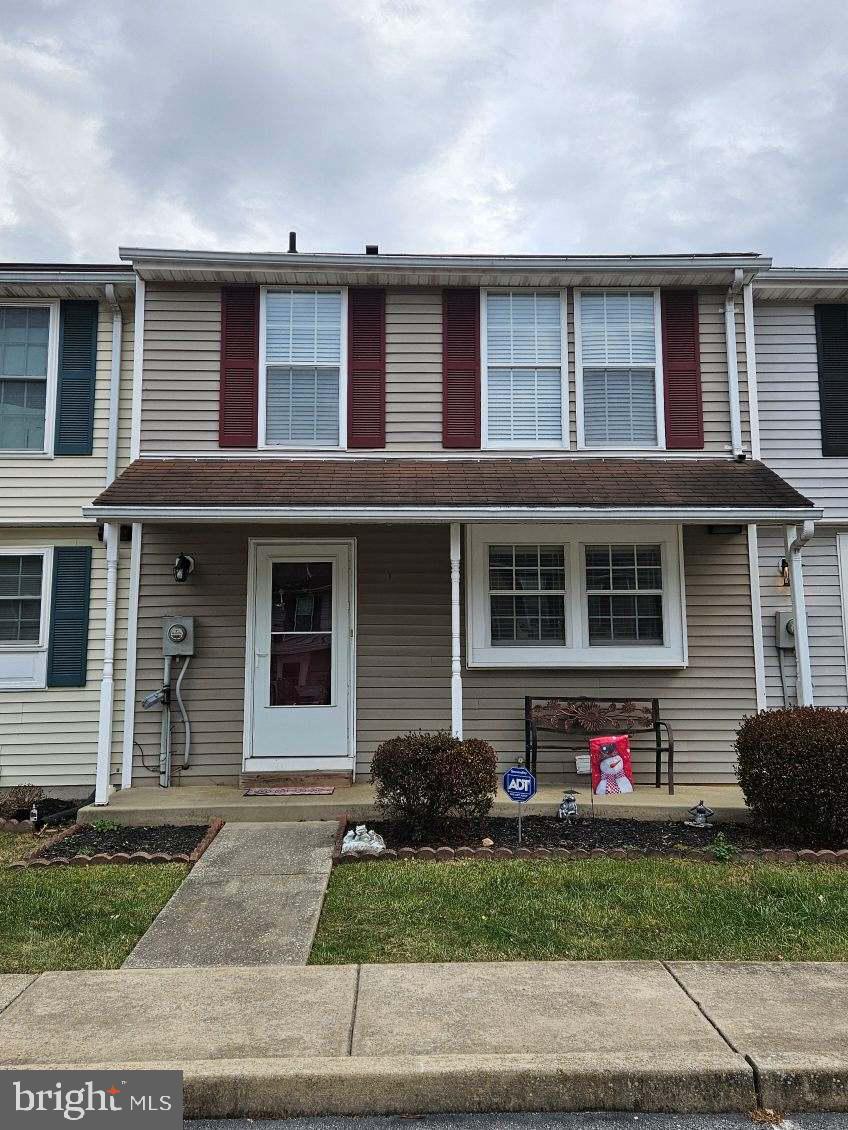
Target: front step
column 294, row 780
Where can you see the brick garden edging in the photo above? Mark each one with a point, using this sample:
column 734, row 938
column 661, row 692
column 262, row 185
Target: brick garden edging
column 15, row 825
column 35, row 859
column 700, row 855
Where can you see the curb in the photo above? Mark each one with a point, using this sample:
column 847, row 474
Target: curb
column 409, row 1084
column 696, row 855
column 36, row 858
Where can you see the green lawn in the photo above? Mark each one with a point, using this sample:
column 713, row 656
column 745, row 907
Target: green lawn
column 653, row 908
column 76, row 917
column 15, row 845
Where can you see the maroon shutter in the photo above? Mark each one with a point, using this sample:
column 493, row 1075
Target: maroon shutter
column 366, row 363
column 238, row 409
column 461, row 368
column 684, row 416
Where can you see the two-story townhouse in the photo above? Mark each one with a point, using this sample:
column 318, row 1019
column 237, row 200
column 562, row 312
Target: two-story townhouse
column 399, row 492
column 66, row 340
column 801, row 329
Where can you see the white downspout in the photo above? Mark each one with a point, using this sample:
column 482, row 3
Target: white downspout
column 138, row 366
column 132, row 643
column 111, row 539
column 114, row 385
column 456, row 651
column 733, row 364
column 751, row 367
column 803, row 672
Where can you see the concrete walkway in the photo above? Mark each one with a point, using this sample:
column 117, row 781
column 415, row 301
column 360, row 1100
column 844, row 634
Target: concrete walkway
column 285, row 1041
column 253, row 898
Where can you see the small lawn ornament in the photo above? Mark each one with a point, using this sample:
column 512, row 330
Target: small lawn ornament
column 612, row 767
column 700, row 816
column 363, row 842
column 568, row 808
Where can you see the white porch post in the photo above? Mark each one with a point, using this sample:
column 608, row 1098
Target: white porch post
column 803, row 672
column 132, row 644
column 111, row 540
column 456, row 650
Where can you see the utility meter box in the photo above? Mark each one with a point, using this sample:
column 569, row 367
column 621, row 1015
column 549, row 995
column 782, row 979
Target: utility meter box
column 178, row 635
column 784, row 630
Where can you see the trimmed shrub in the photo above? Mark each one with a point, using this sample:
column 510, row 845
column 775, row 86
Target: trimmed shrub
column 793, row 769
column 422, row 778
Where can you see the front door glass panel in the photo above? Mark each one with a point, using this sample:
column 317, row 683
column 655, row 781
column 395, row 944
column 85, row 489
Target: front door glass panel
column 301, row 633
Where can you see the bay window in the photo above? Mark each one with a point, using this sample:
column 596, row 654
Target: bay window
column 27, row 375
column 302, row 368
column 524, row 379
column 582, row 595
column 618, row 369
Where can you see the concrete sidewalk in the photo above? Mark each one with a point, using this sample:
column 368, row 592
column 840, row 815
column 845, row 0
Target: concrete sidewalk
column 285, row 1041
column 253, row 898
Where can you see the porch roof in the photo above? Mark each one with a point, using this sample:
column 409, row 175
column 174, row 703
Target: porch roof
column 458, row 488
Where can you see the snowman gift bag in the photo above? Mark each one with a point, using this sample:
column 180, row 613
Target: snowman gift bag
column 612, row 768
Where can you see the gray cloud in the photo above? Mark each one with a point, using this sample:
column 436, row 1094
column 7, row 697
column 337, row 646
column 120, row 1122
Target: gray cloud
column 450, row 125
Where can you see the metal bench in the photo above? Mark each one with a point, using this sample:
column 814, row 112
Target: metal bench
column 584, row 717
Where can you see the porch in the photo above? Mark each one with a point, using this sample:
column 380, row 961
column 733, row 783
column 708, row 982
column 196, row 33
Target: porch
column 196, row 804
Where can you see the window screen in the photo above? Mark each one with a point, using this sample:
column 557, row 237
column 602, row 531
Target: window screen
column 624, row 594
column 24, row 339
column 303, row 359
column 618, row 355
column 524, row 367
column 20, row 597
column 527, row 594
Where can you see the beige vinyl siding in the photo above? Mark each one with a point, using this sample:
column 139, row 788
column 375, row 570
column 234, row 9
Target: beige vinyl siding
column 414, row 369
column 182, row 365
column 822, row 591
column 49, row 736
column 403, row 650
column 36, row 488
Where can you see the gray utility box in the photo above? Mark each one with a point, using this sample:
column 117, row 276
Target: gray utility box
column 178, row 635
column 784, row 630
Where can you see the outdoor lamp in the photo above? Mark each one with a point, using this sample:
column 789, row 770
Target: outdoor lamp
column 700, row 816
column 183, row 568
column 783, row 569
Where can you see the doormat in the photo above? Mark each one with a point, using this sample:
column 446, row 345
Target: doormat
column 293, row 790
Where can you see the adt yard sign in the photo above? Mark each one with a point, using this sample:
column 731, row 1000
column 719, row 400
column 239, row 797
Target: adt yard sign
column 519, row 784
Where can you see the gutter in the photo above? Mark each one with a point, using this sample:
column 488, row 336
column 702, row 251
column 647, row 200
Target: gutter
column 733, row 363
column 696, row 515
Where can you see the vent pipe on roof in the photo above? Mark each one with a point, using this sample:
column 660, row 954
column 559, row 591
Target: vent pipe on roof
column 372, row 249
column 292, row 243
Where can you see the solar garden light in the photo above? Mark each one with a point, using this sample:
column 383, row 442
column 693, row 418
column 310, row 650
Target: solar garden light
column 700, row 816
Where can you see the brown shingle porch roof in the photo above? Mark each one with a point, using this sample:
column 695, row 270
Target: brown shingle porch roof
column 455, row 482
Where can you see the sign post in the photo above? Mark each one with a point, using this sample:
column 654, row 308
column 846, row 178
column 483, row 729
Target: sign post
column 519, row 784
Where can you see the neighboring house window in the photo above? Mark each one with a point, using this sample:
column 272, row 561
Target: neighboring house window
column 24, row 589
column 523, row 369
column 303, row 368
column 619, row 378
column 579, row 599
column 25, row 361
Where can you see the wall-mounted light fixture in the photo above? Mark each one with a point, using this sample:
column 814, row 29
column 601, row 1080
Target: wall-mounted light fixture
column 783, row 569
column 183, row 568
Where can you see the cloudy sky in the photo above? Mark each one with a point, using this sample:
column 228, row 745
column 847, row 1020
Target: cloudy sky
column 425, row 125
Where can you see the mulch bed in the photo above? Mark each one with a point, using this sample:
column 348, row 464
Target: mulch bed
column 546, row 836
column 84, row 844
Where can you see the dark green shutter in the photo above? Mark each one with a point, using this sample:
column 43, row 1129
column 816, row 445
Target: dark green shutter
column 68, row 654
column 75, row 392
column 832, row 345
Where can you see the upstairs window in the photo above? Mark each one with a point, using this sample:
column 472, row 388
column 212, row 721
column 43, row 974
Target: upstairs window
column 24, row 364
column 523, row 363
column 619, row 378
column 303, row 368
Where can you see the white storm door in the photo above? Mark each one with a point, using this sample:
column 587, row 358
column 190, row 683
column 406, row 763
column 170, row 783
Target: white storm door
column 302, row 663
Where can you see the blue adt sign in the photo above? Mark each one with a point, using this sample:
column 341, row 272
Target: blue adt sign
column 519, row 784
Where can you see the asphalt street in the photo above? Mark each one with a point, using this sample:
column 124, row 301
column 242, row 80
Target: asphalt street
column 535, row 1122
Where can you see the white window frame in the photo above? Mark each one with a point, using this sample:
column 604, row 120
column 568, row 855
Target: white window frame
column 659, row 387
column 263, row 372
column 577, row 651
column 521, row 445
column 23, row 663
column 51, row 384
